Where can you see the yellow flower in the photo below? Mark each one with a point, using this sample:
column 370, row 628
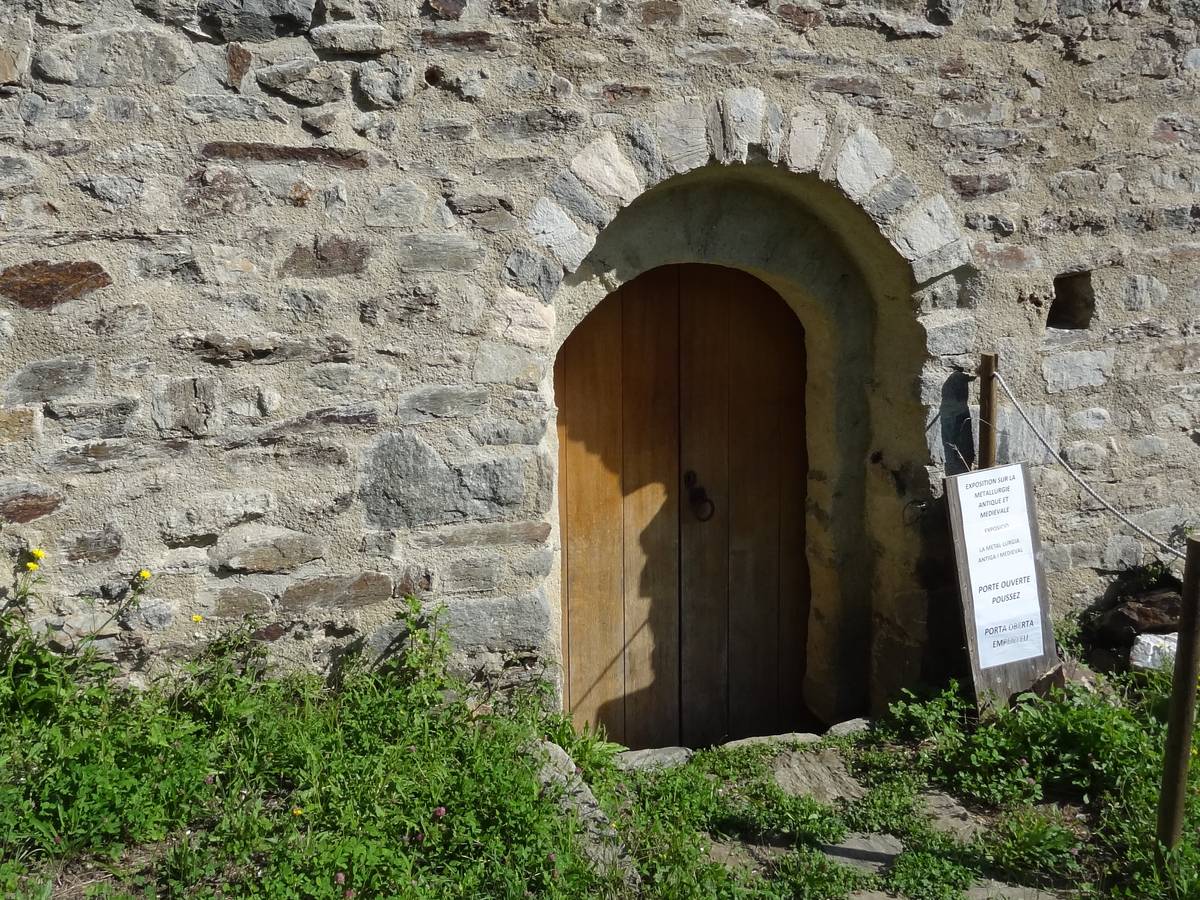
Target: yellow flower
column 297, row 811
column 197, row 618
column 144, row 575
column 37, row 553
column 32, row 566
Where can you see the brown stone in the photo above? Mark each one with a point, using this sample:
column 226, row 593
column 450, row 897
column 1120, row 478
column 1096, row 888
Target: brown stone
column 44, row 285
column 17, row 424
column 237, row 64
column 1007, row 256
column 327, row 258
column 521, row 10
column 24, row 501
column 662, row 12
column 802, row 18
column 272, row 632
column 447, row 9
column 975, row 185
column 626, row 93
column 252, row 151
column 415, row 582
column 1156, row 612
column 263, row 349
column 849, row 84
column 341, row 591
column 101, row 545
column 236, row 602
column 475, row 41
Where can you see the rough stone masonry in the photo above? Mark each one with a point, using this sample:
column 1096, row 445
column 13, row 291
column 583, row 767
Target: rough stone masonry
column 281, row 280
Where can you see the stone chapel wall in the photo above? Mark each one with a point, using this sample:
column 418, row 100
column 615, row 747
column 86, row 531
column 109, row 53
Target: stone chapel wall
column 278, row 279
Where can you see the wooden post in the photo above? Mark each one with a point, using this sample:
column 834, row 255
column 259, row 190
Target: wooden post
column 1181, row 718
column 987, row 410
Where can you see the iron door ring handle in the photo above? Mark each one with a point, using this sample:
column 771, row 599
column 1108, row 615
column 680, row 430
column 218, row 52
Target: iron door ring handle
column 702, row 505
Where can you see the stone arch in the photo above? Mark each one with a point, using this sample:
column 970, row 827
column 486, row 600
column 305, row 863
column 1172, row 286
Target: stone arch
column 814, row 204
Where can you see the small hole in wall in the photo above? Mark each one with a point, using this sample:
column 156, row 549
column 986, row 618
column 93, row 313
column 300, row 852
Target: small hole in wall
column 434, row 76
column 1074, row 302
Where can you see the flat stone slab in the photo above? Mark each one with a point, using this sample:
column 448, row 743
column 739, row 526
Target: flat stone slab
column 749, row 857
column 873, row 853
column 950, row 817
column 996, row 890
column 656, row 758
column 791, row 737
column 821, row 775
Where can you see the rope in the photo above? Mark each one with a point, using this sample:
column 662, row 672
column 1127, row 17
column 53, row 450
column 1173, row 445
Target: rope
column 1083, row 484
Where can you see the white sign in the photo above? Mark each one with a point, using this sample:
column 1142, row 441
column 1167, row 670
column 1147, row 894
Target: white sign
column 1001, row 565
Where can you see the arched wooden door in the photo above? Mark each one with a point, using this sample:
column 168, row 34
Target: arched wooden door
column 682, row 473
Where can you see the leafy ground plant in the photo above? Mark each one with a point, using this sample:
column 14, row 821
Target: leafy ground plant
column 389, row 781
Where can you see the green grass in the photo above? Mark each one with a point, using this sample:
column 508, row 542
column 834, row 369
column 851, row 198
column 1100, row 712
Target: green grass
column 388, row 785
column 229, row 781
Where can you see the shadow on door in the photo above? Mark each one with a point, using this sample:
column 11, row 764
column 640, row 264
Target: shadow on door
column 682, row 482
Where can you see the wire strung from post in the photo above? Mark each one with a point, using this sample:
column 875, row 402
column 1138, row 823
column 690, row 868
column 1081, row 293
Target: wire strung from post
column 1083, row 484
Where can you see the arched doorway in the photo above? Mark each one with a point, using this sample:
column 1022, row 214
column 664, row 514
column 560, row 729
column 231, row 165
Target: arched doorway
column 682, row 487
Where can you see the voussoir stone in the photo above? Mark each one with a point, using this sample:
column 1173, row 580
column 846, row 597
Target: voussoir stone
column 682, row 132
column 262, row 548
column 930, row 226
column 862, row 163
column 552, row 228
column 807, row 132
column 743, row 115
column 606, row 170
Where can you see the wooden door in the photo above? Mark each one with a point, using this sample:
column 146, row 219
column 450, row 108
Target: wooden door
column 682, row 475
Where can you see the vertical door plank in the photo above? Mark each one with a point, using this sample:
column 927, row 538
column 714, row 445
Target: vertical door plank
column 793, row 495
column 704, row 559
column 591, row 408
column 754, row 484
column 650, row 473
column 564, row 538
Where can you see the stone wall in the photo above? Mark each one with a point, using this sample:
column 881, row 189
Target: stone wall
column 281, row 283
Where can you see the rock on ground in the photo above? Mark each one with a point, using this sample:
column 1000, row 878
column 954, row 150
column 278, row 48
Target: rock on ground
column 821, row 775
column 600, row 841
